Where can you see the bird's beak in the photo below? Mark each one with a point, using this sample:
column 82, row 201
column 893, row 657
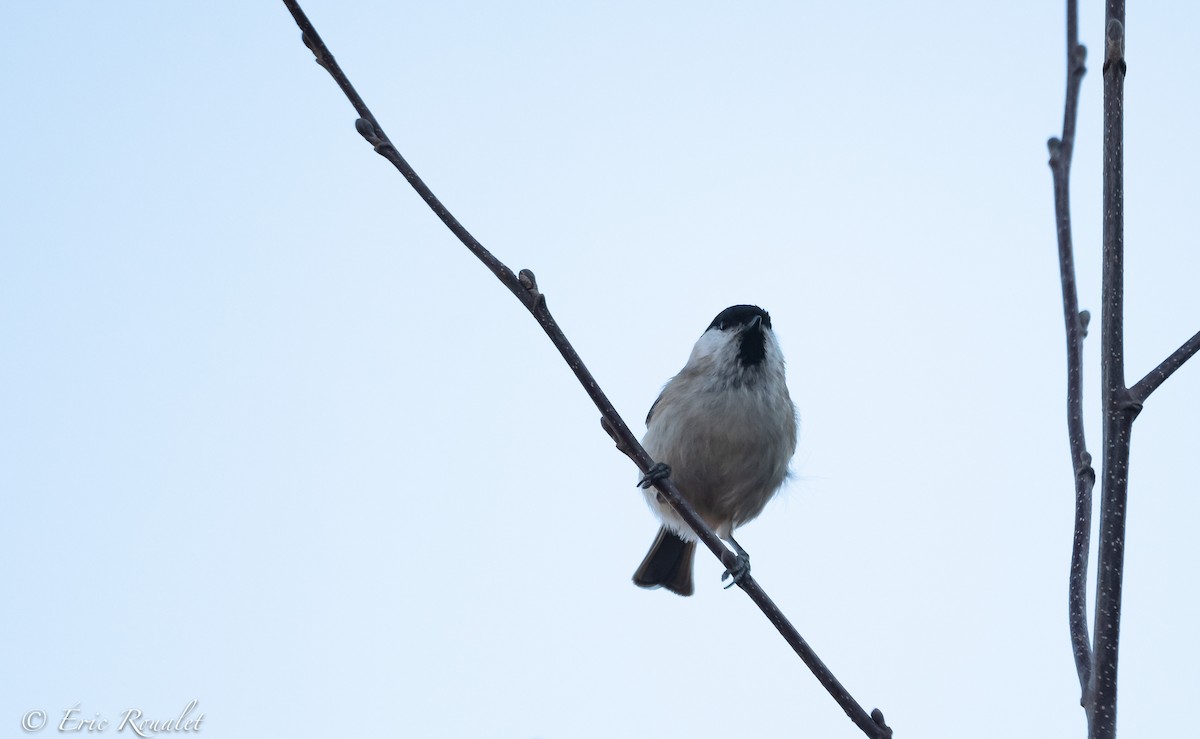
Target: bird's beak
column 755, row 323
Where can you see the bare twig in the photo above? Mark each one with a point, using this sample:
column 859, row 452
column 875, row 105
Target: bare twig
column 1159, row 374
column 1076, row 323
column 525, row 288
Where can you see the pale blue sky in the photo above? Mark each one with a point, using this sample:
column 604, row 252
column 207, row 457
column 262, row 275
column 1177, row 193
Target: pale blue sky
column 272, row 440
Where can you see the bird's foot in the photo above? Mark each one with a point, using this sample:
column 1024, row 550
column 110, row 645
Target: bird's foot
column 740, row 569
column 659, row 471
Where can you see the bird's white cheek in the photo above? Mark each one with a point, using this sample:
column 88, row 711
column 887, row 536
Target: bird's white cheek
column 711, row 345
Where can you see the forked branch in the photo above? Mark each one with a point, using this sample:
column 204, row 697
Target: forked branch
column 525, row 288
column 1096, row 660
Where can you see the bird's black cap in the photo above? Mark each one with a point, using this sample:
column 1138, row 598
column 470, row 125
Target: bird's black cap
column 740, row 315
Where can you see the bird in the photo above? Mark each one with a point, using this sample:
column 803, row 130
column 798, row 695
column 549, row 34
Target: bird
column 724, row 430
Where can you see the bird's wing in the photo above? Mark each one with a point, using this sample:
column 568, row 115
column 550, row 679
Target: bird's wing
column 655, row 405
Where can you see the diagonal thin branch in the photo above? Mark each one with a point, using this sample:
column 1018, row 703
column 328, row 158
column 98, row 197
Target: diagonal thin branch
column 1076, row 323
column 525, row 288
column 1159, row 374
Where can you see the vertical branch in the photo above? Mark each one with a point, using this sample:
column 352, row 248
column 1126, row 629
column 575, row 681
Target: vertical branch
column 1119, row 408
column 1096, row 662
column 1076, row 322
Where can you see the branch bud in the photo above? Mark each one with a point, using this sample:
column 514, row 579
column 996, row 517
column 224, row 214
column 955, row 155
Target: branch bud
column 1114, row 46
column 367, row 131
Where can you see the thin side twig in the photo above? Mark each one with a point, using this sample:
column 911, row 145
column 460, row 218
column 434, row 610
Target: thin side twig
column 525, row 288
column 1061, row 150
column 1165, row 369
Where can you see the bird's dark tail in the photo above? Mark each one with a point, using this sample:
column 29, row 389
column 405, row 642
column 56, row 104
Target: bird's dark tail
column 668, row 564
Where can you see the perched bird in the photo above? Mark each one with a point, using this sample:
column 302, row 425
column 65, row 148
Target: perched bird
column 724, row 430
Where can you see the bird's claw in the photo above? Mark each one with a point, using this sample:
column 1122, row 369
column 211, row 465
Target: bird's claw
column 659, row 471
column 739, row 570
